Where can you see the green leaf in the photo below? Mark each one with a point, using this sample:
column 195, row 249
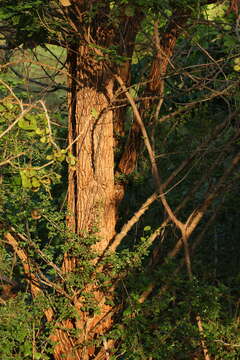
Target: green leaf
column 43, row 139
column 27, row 349
column 130, row 11
column 35, row 182
column 94, row 113
column 37, row 355
column 39, row 131
column 71, row 160
column 128, row 312
column 237, row 61
column 28, row 123
column 59, row 156
column 31, row 172
column 46, row 181
column 229, row 41
column 26, row 182
column 236, row 67
column 16, row 180
column 147, row 228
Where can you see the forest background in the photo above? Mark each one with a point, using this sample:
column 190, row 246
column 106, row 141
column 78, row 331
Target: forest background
column 119, row 179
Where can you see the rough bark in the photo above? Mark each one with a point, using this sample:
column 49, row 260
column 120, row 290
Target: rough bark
column 92, row 195
column 91, row 190
column 91, row 198
column 155, row 84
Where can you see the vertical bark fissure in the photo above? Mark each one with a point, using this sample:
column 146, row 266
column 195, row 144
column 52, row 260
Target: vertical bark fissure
column 91, row 198
column 95, row 177
column 91, row 201
column 72, row 186
column 92, row 195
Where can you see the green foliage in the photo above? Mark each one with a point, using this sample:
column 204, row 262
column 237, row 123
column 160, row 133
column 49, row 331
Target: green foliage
column 165, row 326
column 20, row 330
column 237, row 64
column 34, row 158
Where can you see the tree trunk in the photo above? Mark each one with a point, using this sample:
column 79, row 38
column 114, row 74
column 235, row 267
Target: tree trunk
column 91, row 193
column 164, row 45
column 91, row 196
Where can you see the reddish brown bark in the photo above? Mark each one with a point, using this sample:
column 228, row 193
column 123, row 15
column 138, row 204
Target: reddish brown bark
column 91, row 199
column 91, row 192
column 92, row 195
column 155, row 85
column 129, row 27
